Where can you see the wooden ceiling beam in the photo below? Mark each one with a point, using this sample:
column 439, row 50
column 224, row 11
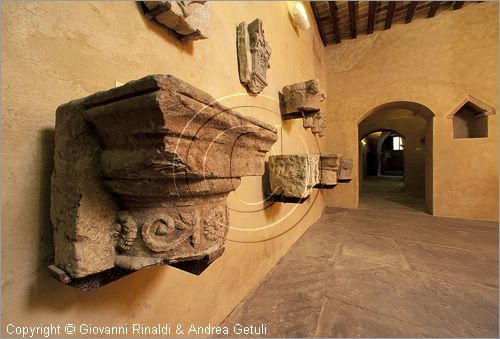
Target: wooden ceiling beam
column 318, row 22
column 391, row 8
column 335, row 22
column 458, row 4
column 433, row 9
column 372, row 10
column 353, row 15
column 411, row 11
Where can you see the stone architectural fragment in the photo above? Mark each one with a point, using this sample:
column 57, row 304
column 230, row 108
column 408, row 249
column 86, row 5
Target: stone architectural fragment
column 188, row 19
column 302, row 100
column 316, row 122
column 329, row 166
column 345, row 170
column 293, row 175
column 253, row 55
column 290, row 178
column 142, row 173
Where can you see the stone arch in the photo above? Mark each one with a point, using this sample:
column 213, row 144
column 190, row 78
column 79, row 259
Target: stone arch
column 424, row 112
column 420, row 109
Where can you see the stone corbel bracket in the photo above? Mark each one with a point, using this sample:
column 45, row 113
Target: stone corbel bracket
column 254, row 53
column 302, row 100
column 188, row 19
column 141, row 178
column 292, row 177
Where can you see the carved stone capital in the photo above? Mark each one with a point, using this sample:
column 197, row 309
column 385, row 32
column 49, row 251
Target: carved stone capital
column 142, row 173
column 302, row 99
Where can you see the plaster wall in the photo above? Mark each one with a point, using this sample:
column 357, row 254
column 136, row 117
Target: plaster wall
column 412, row 127
column 434, row 62
column 55, row 52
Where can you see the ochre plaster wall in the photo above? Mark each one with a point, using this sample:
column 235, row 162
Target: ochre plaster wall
column 412, row 127
column 435, row 62
column 56, row 52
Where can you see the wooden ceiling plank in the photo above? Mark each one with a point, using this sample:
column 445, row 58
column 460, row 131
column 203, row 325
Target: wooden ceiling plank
column 411, row 11
column 433, row 9
column 318, row 22
column 335, row 21
column 372, row 10
column 353, row 14
column 391, row 8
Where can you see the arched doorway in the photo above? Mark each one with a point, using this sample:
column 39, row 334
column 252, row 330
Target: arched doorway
column 395, row 148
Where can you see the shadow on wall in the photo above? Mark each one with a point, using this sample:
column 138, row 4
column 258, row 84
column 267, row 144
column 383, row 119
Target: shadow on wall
column 46, row 292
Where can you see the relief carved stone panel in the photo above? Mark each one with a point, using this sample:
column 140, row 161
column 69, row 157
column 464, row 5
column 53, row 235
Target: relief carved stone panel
column 254, row 53
column 294, row 175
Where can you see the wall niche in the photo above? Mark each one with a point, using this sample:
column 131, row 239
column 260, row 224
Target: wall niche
column 470, row 119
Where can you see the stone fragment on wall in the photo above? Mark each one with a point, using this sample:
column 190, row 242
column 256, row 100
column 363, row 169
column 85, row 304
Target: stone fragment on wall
column 329, row 165
column 293, row 175
column 134, row 190
column 316, row 122
column 188, row 19
column 345, row 170
column 254, row 53
column 302, row 100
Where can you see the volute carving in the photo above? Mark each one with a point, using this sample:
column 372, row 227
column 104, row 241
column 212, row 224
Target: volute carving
column 142, row 173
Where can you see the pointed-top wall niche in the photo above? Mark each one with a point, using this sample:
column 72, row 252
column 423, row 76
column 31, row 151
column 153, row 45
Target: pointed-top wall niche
column 470, row 118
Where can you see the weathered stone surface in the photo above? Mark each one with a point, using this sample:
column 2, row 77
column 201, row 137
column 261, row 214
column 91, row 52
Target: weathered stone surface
column 135, row 190
column 253, row 55
column 345, row 170
column 293, row 175
column 316, row 122
column 329, row 165
column 189, row 19
column 302, row 99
